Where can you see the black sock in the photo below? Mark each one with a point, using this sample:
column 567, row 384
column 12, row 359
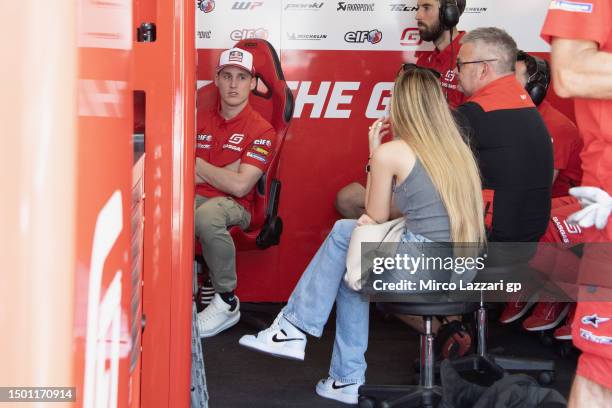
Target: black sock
column 230, row 299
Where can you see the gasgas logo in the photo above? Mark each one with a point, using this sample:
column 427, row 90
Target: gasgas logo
column 372, row 36
column 410, row 37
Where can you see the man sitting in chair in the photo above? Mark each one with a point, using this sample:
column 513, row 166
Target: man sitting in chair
column 234, row 147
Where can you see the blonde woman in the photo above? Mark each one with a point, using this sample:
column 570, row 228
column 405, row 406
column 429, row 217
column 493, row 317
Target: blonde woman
column 437, row 189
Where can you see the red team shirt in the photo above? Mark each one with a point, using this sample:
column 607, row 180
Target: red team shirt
column 444, row 62
column 567, row 146
column 591, row 332
column 247, row 137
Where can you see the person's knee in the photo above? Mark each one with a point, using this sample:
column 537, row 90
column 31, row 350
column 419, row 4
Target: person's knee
column 350, row 200
column 344, row 228
column 209, row 221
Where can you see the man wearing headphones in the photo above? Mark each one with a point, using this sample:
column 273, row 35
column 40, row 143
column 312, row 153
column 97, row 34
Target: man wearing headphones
column 534, row 74
column 437, row 20
column 581, row 37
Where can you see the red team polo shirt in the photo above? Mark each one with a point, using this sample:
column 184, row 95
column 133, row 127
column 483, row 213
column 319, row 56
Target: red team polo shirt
column 567, row 146
column 247, row 137
column 591, row 332
column 444, row 62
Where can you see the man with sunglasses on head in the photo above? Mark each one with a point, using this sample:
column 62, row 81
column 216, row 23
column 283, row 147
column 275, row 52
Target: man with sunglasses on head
column 510, row 140
column 436, row 20
column 233, row 149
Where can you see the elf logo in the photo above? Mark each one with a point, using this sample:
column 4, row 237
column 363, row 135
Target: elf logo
column 371, row 36
column 243, row 33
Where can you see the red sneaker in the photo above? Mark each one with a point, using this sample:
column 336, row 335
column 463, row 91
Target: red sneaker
column 565, row 332
column 546, row 315
column 517, row 307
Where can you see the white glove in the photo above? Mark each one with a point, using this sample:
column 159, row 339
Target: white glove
column 596, row 207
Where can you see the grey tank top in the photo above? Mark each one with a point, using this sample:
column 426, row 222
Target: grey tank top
column 417, row 198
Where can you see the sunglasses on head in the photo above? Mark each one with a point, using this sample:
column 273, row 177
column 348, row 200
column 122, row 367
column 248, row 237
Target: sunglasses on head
column 409, row 66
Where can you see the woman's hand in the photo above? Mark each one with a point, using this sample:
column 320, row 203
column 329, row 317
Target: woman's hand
column 365, row 220
column 378, row 130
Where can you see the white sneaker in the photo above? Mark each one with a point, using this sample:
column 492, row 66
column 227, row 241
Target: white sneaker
column 280, row 340
column 217, row 317
column 332, row 389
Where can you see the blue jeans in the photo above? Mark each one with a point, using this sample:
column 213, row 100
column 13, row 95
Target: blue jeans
column 320, row 286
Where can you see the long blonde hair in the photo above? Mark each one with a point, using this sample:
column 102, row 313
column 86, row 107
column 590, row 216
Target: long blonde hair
column 421, row 117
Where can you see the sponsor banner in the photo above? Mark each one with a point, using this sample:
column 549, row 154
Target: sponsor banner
column 386, row 25
column 222, row 23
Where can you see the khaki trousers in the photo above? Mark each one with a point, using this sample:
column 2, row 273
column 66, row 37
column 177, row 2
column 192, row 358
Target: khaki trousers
column 212, row 218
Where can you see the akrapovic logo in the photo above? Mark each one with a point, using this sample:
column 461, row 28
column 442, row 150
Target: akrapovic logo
column 242, row 33
column 306, row 37
column 304, row 6
column 344, row 6
column 371, row 36
column 403, row 7
column 246, row 5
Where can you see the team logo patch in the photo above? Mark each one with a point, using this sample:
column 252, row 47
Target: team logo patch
column 262, row 151
column 262, row 142
column 587, row 335
column 257, row 157
column 232, row 147
column 594, row 320
column 204, row 138
column 571, row 6
column 236, row 56
column 236, row 138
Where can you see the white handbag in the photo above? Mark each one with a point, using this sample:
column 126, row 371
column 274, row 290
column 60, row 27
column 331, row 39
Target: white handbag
column 390, row 231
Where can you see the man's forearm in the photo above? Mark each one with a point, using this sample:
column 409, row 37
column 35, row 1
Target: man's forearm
column 223, row 179
column 581, row 70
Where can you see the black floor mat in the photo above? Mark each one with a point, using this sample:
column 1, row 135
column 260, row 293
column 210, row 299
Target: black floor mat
column 238, row 377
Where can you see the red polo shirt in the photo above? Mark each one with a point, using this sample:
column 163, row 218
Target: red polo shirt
column 444, row 62
column 247, row 137
column 567, row 146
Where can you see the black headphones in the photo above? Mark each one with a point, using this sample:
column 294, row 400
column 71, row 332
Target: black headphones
column 449, row 14
column 538, row 81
